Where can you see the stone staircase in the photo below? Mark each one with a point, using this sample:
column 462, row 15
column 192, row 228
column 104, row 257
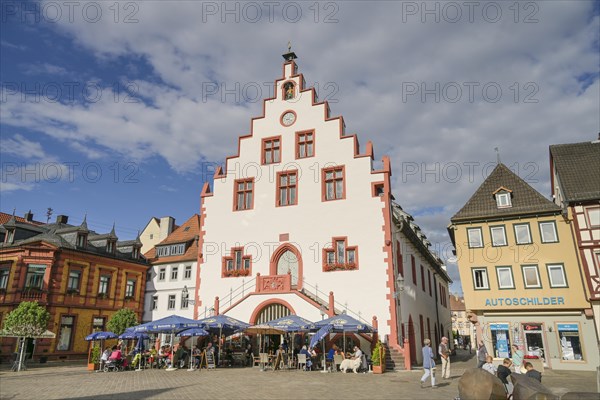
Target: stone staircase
column 394, row 360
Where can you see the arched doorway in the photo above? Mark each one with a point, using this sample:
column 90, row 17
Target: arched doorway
column 267, row 311
column 287, row 259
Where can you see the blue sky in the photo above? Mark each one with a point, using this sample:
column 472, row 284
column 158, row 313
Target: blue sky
column 152, row 95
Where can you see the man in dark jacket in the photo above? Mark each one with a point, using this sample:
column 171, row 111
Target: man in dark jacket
column 532, row 373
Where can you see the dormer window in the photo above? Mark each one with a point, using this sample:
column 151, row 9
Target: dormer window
column 110, row 246
column 135, row 253
column 10, row 236
column 503, row 197
column 81, row 240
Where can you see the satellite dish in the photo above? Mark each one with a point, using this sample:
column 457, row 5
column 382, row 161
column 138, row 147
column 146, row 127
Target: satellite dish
column 452, row 259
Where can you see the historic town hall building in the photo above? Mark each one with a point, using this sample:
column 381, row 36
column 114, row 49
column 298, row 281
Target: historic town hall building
column 298, row 221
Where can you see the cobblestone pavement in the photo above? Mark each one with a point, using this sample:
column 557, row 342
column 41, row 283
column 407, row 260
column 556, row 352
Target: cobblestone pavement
column 72, row 381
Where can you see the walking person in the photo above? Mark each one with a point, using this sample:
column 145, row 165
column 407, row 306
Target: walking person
column 428, row 364
column 444, row 353
column 517, row 358
column 481, row 354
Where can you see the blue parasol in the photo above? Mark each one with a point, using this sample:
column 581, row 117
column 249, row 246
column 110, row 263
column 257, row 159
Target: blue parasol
column 100, row 336
column 292, row 323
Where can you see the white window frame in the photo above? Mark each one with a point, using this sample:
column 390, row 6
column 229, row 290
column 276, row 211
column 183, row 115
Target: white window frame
column 162, row 274
column 130, row 292
column 174, row 273
column 590, row 222
column 561, row 267
column 544, row 240
column 498, row 227
column 525, row 225
column 505, row 268
column 154, row 303
column 503, row 200
column 485, row 277
column 185, row 301
column 187, row 270
column 4, row 275
column 537, row 273
column 469, row 230
column 172, row 300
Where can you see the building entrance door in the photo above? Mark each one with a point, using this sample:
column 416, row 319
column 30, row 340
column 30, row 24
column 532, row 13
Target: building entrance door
column 534, row 341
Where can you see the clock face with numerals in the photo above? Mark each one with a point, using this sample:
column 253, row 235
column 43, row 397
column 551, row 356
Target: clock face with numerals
column 288, row 118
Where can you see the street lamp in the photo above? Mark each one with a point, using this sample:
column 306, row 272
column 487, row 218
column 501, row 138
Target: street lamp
column 397, row 294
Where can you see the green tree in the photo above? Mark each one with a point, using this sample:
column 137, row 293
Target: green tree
column 121, row 320
column 28, row 320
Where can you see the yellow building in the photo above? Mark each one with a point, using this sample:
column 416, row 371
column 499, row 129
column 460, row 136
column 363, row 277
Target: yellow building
column 521, row 277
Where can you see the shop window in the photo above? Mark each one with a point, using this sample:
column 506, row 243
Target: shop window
column 98, row 324
column 570, row 342
column 500, row 340
column 534, row 342
column 475, row 237
column 65, row 333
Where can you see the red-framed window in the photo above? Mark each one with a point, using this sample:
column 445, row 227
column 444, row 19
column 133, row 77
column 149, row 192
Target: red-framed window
column 244, row 194
column 399, row 261
column 271, row 150
column 334, row 183
column 422, row 277
column 414, row 269
column 305, row 144
column 429, row 281
column 422, row 328
column 340, row 256
column 287, row 188
column 237, row 263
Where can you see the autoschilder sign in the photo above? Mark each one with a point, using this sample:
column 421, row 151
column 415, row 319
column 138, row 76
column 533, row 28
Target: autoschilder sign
column 524, row 301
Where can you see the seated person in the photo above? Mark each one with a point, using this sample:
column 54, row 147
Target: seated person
column 106, row 355
column 489, row 365
column 308, row 357
column 229, row 355
column 354, row 362
column 331, row 353
column 532, row 373
column 248, row 355
column 503, row 373
column 116, row 354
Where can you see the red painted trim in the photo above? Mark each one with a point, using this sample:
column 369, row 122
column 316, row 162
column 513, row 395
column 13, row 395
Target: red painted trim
column 206, row 190
column 285, row 112
column 263, row 142
column 375, row 186
column 279, row 252
column 200, row 260
column 278, row 189
column 334, row 169
column 283, row 91
column 231, row 257
column 297, row 148
column 333, row 249
column 266, row 303
column 235, row 193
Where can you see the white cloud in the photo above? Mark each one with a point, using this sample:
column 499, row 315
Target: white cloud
column 23, row 148
column 371, row 55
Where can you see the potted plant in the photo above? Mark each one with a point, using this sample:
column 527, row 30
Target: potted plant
column 378, row 358
column 94, row 358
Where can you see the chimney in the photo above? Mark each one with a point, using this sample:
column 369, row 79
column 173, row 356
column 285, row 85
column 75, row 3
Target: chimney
column 166, row 227
column 62, row 219
column 28, row 216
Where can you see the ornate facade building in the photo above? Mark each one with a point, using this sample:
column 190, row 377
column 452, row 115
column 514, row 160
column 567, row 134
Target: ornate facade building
column 299, row 221
column 80, row 276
